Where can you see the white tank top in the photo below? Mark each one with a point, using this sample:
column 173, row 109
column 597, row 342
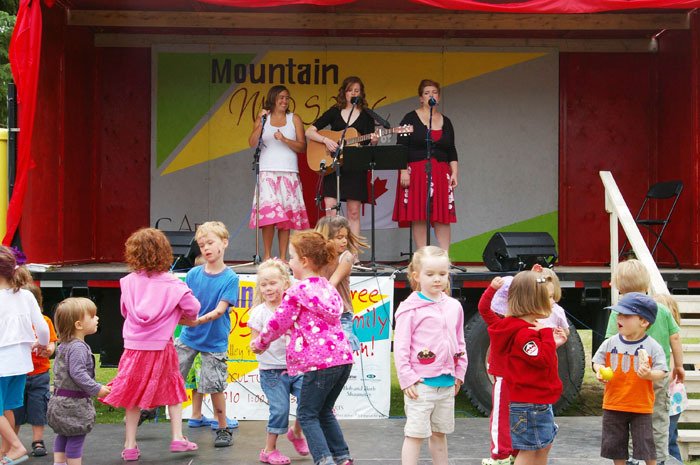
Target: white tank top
column 276, row 155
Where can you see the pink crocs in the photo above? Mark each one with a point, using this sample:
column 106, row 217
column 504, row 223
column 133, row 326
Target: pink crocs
column 182, row 446
column 274, row 457
column 300, row 444
column 131, row 455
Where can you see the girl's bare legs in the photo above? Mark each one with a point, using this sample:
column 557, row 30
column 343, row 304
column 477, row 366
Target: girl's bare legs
column 296, row 428
column 438, row 448
column 175, row 412
column 268, row 234
column 132, row 423
column 11, row 445
column 443, row 234
column 283, row 239
column 77, row 461
column 410, row 450
column 354, row 208
column 271, row 442
column 197, row 400
column 534, row 457
column 419, row 234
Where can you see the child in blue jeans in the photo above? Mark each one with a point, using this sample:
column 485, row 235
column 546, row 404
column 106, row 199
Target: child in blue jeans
column 273, row 280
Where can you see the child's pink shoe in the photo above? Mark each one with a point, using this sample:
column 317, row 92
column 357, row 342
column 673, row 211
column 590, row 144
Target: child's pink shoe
column 274, row 457
column 300, row 444
column 182, row 446
column 131, row 455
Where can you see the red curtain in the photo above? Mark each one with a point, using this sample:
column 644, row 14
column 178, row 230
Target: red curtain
column 557, row 6
column 25, row 53
column 271, row 3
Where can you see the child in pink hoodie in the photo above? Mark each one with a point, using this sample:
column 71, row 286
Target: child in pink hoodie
column 310, row 315
column 430, row 355
column 153, row 301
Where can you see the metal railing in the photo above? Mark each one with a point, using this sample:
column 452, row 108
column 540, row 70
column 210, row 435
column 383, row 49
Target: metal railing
column 620, row 214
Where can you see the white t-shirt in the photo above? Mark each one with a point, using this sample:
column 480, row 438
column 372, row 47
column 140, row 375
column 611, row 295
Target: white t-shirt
column 20, row 319
column 275, row 357
column 276, row 155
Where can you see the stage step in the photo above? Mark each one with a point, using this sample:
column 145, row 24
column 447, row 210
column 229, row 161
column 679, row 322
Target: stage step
column 691, row 353
column 690, row 327
column 688, row 304
column 692, row 413
column 692, row 381
column 689, row 442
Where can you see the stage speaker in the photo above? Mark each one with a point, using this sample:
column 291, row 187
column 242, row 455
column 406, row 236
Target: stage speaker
column 516, row 251
column 185, row 249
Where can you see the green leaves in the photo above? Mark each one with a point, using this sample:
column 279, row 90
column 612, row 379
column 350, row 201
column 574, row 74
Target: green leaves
column 8, row 9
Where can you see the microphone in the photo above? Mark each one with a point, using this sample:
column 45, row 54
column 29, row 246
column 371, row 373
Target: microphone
column 264, row 118
column 432, row 102
column 355, row 100
column 322, row 165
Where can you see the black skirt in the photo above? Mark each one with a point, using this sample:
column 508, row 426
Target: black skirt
column 353, row 185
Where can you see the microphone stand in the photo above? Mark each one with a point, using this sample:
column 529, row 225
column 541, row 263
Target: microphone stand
column 428, row 170
column 256, row 168
column 336, row 157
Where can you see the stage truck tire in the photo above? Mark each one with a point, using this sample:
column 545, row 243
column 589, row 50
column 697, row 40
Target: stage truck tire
column 478, row 384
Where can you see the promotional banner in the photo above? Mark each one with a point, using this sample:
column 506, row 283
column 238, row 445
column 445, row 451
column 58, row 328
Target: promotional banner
column 368, row 391
column 503, row 104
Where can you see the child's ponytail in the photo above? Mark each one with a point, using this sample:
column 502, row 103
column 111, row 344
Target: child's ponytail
column 315, row 247
column 16, row 276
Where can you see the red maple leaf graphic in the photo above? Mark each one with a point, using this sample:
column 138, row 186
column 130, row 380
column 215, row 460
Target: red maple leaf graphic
column 379, row 187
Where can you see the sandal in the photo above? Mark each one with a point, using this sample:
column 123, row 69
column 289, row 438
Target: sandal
column 38, row 448
column 182, row 445
column 274, row 457
column 131, row 455
column 299, row 444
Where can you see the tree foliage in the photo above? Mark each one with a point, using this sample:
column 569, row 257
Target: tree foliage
column 8, row 15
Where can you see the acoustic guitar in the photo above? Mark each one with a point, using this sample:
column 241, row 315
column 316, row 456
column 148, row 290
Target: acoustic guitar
column 318, row 156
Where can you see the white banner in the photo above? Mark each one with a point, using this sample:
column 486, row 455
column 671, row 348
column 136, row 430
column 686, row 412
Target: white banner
column 367, row 393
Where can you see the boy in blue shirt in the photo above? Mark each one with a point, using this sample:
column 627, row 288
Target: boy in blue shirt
column 216, row 287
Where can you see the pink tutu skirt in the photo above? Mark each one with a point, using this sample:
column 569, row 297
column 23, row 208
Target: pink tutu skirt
column 147, row 379
column 281, row 201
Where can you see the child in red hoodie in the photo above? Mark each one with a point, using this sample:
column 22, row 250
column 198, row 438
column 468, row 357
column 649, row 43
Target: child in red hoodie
column 526, row 352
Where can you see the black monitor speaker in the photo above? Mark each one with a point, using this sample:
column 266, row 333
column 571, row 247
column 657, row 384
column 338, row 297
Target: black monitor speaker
column 185, row 249
column 516, row 251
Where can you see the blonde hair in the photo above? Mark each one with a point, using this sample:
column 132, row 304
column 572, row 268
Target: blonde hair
column 329, row 226
column 216, row 228
column 417, row 262
column 671, row 304
column 528, row 295
column 315, row 247
column 632, row 276
column 554, row 281
column 273, row 265
column 68, row 311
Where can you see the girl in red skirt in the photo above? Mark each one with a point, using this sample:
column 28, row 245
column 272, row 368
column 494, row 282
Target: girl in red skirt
column 412, row 188
column 153, row 301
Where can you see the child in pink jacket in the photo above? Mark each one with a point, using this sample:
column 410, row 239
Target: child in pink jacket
column 310, row 315
column 430, row 355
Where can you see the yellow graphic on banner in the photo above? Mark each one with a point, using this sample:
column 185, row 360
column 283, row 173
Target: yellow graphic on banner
column 313, row 79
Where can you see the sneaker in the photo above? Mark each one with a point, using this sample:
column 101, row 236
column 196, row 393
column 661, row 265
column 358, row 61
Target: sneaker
column 274, row 457
column 231, row 423
column 224, row 438
column 199, row 422
column 491, row 461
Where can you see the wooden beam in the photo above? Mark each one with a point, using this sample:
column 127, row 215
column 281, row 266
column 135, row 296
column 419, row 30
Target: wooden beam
column 561, row 45
column 386, row 21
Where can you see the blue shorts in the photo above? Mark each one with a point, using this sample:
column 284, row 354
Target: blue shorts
column 277, row 385
column 36, row 400
column 12, row 392
column 532, row 426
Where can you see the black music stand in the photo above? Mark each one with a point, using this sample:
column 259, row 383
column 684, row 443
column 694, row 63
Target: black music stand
column 375, row 157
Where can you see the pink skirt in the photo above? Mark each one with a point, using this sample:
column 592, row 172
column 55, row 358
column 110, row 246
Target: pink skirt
column 281, row 201
column 410, row 201
column 147, row 379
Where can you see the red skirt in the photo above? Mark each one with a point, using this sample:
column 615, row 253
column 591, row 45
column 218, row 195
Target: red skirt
column 410, row 201
column 147, row 379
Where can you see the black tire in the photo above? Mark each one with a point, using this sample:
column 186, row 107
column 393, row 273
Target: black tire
column 478, row 384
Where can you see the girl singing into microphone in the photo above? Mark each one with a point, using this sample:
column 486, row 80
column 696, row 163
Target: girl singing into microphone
column 353, row 185
column 412, row 190
column 281, row 199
